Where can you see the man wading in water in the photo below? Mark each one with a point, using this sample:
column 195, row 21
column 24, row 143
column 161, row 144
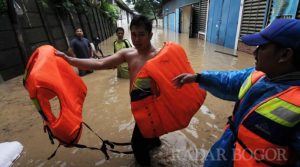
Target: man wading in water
column 141, row 34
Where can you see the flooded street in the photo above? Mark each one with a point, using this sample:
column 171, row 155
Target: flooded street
column 107, row 111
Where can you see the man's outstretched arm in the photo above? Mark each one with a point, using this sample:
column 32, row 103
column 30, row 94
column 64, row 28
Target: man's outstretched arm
column 95, row 64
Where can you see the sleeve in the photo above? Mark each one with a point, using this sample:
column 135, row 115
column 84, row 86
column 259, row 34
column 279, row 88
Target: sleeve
column 127, row 43
column 115, row 49
column 72, row 43
column 92, row 46
column 89, row 43
column 224, row 84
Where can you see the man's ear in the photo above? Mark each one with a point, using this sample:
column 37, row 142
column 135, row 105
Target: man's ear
column 287, row 55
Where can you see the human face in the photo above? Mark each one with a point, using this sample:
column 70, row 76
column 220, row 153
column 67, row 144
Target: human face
column 120, row 34
column 140, row 37
column 267, row 58
column 79, row 33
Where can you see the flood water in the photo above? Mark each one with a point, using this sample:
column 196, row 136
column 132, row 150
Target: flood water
column 107, row 111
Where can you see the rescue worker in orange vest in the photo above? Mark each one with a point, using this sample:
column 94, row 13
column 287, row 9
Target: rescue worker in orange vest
column 264, row 129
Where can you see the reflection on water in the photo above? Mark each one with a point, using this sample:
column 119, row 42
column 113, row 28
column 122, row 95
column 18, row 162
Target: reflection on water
column 107, row 111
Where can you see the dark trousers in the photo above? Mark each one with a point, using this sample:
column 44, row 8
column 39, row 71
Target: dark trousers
column 141, row 146
column 83, row 72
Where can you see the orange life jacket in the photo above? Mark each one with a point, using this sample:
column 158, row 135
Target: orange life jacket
column 48, row 76
column 166, row 108
column 253, row 150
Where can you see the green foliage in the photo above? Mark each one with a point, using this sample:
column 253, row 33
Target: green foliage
column 81, row 6
column 150, row 8
column 3, row 6
column 110, row 10
column 63, row 6
column 72, row 6
column 94, row 3
column 130, row 1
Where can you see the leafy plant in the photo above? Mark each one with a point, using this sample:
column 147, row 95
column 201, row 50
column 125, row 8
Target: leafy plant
column 94, row 3
column 110, row 10
column 149, row 8
column 66, row 5
column 3, row 6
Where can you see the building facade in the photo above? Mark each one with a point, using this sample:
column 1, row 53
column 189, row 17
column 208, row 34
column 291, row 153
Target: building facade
column 223, row 22
column 186, row 16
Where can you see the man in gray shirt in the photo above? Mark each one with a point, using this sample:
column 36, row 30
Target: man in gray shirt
column 80, row 47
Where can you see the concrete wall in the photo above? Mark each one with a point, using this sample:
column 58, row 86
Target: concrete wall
column 171, row 6
column 38, row 25
column 186, row 19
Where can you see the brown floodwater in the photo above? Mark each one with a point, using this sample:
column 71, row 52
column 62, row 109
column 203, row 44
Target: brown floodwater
column 107, row 111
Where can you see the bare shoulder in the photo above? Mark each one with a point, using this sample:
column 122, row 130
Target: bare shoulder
column 128, row 52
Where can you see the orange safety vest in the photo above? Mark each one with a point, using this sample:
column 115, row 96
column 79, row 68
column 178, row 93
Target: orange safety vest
column 48, row 76
column 253, row 150
column 167, row 109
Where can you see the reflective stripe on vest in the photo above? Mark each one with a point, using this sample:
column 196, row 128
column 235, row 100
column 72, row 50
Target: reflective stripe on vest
column 280, row 111
column 251, row 79
column 157, row 106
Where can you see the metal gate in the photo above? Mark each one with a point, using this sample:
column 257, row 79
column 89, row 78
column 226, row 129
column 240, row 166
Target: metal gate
column 202, row 17
column 195, row 21
column 253, row 16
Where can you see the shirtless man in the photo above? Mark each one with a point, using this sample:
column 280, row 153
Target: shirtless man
column 141, row 34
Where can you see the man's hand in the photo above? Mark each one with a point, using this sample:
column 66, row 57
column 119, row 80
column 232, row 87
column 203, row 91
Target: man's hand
column 61, row 54
column 184, row 78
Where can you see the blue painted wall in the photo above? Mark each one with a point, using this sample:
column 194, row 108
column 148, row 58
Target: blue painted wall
column 174, row 4
column 222, row 22
column 177, row 20
column 171, row 19
column 165, row 22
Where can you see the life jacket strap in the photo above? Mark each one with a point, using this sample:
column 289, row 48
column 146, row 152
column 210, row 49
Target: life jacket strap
column 106, row 144
column 51, row 137
column 92, row 131
column 104, row 148
column 53, row 154
column 106, row 141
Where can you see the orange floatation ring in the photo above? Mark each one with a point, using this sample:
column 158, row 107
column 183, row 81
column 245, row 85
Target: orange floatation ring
column 165, row 108
column 48, row 76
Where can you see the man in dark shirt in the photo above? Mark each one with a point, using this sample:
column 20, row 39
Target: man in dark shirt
column 80, row 47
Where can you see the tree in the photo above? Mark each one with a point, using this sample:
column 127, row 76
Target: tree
column 149, row 8
column 3, row 6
